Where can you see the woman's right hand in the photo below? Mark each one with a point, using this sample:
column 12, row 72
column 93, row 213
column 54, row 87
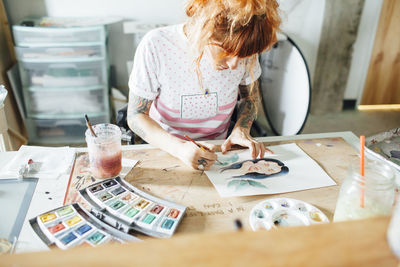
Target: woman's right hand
column 194, row 156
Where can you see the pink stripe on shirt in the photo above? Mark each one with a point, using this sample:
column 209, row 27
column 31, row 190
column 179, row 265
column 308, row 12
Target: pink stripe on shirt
column 212, row 136
column 167, row 108
column 202, row 130
column 228, row 106
column 218, row 117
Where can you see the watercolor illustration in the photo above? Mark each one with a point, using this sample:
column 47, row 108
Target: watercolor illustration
column 288, row 169
column 247, row 171
column 257, row 169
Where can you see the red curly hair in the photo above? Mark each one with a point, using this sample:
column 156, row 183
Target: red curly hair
column 242, row 27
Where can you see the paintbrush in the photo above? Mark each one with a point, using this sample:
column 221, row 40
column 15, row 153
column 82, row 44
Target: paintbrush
column 89, row 125
column 204, row 148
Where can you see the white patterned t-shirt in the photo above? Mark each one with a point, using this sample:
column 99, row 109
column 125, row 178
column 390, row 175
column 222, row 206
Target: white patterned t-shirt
column 164, row 72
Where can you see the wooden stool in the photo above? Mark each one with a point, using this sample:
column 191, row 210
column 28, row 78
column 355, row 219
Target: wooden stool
column 5, row 141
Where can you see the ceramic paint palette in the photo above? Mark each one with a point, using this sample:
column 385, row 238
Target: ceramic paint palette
column 282, row 212
column 71, row 225
column 118, row 203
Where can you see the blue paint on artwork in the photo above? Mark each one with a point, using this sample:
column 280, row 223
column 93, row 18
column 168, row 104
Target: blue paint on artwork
column 223, row 160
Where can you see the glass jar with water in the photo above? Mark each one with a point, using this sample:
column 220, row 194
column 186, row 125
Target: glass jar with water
column 368, row 196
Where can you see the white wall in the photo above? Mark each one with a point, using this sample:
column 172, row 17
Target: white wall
column 302, row 21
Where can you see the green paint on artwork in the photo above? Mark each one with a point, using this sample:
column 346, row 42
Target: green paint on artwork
column 239, row 184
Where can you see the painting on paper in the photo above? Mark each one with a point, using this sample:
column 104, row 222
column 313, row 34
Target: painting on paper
column 287, row 169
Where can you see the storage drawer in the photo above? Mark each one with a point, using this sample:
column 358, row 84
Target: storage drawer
column 66, row 74
column 60, row 52
column 30, row 36
column 60, row 131
column 64, row 102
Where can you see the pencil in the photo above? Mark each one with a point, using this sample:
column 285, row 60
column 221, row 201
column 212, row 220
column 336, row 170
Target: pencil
column 200, row 146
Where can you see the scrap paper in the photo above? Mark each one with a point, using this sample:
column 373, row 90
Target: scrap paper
column 52, row 162
column 288, row 169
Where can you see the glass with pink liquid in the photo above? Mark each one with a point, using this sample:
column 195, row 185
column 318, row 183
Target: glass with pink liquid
column 104, row 150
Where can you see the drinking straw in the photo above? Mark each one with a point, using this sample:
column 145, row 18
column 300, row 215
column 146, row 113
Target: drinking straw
column 362, row 168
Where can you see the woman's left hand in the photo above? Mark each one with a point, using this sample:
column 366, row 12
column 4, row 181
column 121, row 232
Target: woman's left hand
column 241, row 136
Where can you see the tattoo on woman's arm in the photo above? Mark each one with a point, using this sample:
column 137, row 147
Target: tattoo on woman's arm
column 137, row 105
column 247, row 110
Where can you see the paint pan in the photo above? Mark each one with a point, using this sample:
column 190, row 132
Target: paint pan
column 129, row 209
column 284, row 212
column 71, row 225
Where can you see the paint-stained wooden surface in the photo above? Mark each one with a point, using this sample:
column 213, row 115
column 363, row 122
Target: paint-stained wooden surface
column 166, row 177
column 356, row 243
column 382, row 85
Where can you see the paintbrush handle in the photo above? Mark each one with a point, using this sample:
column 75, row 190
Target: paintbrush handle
column 198, row 145
column 205, row 149
column 89, row 125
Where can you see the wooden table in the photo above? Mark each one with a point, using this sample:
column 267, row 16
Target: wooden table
column 205, row 235
column 356, row 243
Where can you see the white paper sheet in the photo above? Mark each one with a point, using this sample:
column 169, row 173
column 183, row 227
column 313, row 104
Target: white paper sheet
column 298, row 172
column 53, row 162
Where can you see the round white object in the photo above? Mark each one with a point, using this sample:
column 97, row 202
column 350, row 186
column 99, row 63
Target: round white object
column 285, row 87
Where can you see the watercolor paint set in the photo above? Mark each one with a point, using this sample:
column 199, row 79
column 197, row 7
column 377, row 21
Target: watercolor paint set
column 130, row 210
column 71, row 225
column 283, row 212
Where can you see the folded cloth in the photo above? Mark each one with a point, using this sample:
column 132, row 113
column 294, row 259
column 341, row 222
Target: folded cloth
column 47, row 162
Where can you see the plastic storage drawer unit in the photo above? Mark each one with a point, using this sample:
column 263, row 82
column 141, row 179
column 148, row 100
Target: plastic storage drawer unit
column 65, row 74
column 60, row 131
column 64, row 102
column 47, row 36
column 60, row 52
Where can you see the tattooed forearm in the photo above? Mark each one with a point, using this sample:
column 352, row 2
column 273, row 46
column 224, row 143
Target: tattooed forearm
column 247, row 113
column 137, row 105
column 247, row 110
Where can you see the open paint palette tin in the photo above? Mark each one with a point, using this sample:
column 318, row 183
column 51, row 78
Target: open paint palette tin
column 71, row 225
column 129, row 209
column 282, row 212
